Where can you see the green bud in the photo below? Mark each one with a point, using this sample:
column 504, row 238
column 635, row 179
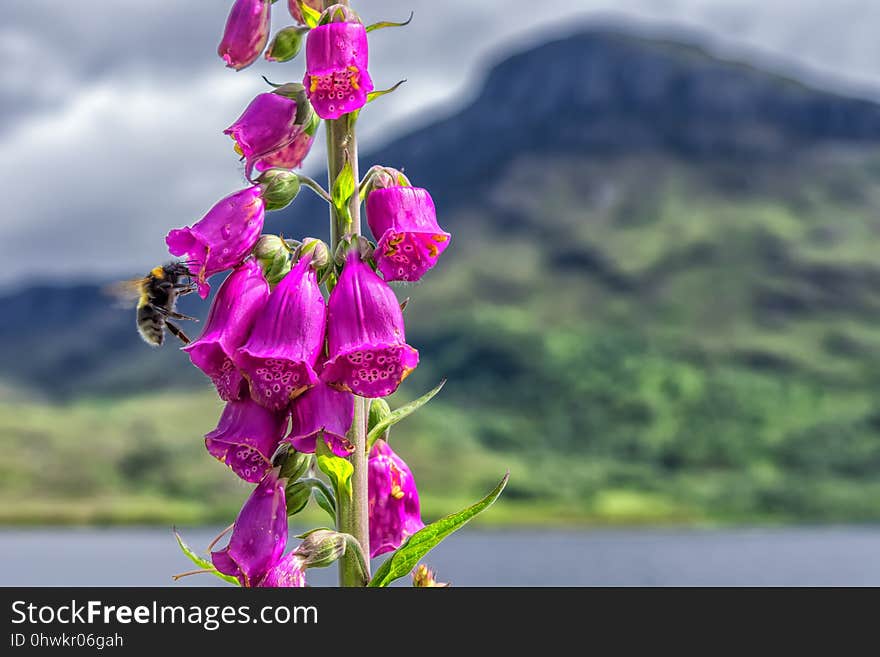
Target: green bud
column 273, row 255
column 295, row 465
column 268, row 246
column 321, row 547
column 280, row 187
column 379, row 410
column 286, row 44
column 314, row 247
column 297, row 495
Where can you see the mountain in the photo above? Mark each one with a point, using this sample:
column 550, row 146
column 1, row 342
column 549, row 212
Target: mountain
column 662, row 291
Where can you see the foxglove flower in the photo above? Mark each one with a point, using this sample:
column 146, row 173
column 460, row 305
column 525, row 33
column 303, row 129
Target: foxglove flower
column 393, row 499
column 368, row 353
column 404, row 223
column 292, row 155
column 279, row 357
column 336, row 80
column 296, row 11
column 259, row 535
column 267, row 134
column 232, row 314
column 246, row 33
column 246, row 438
column 222, row 238
column 287, row 573
column 323, row 411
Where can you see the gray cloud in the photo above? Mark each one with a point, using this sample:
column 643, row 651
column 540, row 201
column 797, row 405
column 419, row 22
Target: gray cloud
column 111, row 112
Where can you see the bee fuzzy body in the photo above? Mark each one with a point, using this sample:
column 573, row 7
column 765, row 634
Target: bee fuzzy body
column 157, row 294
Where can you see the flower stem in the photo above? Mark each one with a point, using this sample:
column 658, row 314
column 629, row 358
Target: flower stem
column 352, row 515
column 314, row 186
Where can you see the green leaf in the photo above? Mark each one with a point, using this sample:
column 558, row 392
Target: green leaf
column 396, row 416
column 325, row 502
column 343, row 188
column 337, row 468
column 310, row 16
column 202, row 562
column 373, row 95
column 419, row 544
column 379, row 26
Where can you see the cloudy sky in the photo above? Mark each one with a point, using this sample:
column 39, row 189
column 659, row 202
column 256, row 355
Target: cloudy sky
column 111, row 111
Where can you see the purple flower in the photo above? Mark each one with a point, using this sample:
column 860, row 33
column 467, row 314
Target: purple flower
column 222, row 238
column 246, row 437
column 296, row 12
column 368, row 354
column 292, row 155
column 232, row 314
column 325, row 411
column 393, row 499
column 287, row 573
column 267, row 125
column 279, row 357
column 336, row 80
column 259, row 535
column 404, row 222
column 246, row 33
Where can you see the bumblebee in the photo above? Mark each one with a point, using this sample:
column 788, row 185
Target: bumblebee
column 157, row 295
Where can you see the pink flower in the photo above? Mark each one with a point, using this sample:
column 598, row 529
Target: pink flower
column 325, row 412
column 368, row 353
column 222, row 238
column 232, row 314
column 394, row 501
column 246, row 33
column 336, row 80
column 246, row 437
column 404, row 222
column 279, row 357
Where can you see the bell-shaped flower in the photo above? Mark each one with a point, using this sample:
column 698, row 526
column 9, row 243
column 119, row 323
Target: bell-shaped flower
column 292, row 155
column 279, row 357
column 275, row 130
column 222, row 238
column 246, row 33
column 259, row 534
column 233, row 312
column 246, row 438
column 336, row 80
column 322, row 411
column 368, row 353
column 409, row 240
column 395, row 513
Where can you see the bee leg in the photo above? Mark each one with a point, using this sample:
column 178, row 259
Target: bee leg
column 176, row 332
column 173, row 314
column 184, row 289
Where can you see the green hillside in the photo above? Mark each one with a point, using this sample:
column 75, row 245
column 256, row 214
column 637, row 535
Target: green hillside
column 638, row 340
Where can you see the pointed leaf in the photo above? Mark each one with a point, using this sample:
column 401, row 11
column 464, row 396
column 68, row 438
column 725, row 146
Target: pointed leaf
column 405, row 558
column 310, row 16
column 373, row 95
column 201, row 562
column 325, row 502
column 337, row 468
column 380, row 25
column 343, row 188
column 397, row 415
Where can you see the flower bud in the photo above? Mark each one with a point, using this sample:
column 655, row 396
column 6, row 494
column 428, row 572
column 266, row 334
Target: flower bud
column 379, row 410
column 279, row 188
column 296, row 11
column 246, row 33
column 298, row 494
column 424, row 578
column 273, row 254
column 268, row 246
column 318, row 250
column 295, row 465
column 320, row 548
column 286, row 44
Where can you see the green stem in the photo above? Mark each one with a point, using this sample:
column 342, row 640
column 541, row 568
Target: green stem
column 352, row 515
column 314, row 186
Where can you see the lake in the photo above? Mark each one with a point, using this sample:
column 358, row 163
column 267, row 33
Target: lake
column 822, row 556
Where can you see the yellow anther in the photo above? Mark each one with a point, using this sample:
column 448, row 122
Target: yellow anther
column 433, row 250
column 396, row 492
column 397, row 239
column 313, row 83
column 238, row 149
column 439, row 238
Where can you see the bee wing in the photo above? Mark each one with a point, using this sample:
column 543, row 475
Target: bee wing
column 125, row 292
